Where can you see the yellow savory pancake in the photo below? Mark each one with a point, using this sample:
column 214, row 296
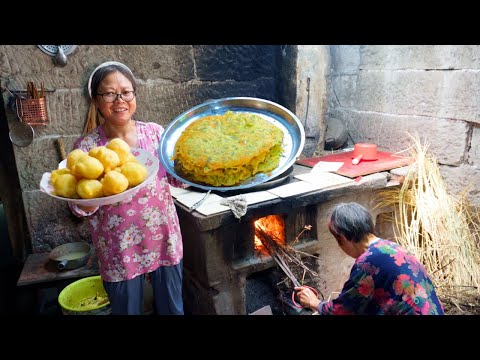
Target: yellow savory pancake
column 223, row 150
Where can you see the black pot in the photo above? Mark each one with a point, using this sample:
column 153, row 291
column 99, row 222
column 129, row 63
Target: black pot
column 71, row 255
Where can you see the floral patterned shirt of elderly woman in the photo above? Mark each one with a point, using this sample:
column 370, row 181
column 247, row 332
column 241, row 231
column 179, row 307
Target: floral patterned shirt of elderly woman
column 385, row 279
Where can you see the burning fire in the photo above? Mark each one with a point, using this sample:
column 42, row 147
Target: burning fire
column 274, row 226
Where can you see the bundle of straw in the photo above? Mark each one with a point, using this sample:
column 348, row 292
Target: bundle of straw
column 440, row 229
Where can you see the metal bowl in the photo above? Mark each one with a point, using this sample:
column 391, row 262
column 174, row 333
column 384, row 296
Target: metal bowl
column 284, row 119
column 70, row 256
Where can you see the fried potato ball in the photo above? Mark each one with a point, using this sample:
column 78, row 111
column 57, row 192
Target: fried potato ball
column 87, row 167
column 55, row 173
column 89, row 189
column 131, row 158
column 134, row 172
column 107, row 157
column 73, row 157
column 114, row 182
column 66, row 186
column 121, row 148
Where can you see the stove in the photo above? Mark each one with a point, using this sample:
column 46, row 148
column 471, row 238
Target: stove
column 220, row 250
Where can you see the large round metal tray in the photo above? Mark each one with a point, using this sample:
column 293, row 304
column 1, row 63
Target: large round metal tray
column 279, row 180
column 293, row 141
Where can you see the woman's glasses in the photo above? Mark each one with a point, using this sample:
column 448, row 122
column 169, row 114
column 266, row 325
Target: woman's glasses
column 110, row 97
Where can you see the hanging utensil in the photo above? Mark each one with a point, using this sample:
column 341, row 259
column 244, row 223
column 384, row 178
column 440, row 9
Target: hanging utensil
column 58, row 52
column 60, row 58
column 12, row 98
column 35, row 92
column 21, row 133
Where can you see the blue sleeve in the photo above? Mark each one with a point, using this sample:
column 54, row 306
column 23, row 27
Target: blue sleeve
column 356, row 295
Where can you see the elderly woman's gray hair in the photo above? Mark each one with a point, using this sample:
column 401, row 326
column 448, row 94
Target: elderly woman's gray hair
column 351, row 220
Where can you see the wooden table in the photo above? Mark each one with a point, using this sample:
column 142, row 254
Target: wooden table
column 39, row 269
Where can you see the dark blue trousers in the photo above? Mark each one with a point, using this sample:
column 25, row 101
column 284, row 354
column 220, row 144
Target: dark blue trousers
column 126, row 297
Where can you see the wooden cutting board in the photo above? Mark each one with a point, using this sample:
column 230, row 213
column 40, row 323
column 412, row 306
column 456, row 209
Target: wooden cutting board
column 385, row 161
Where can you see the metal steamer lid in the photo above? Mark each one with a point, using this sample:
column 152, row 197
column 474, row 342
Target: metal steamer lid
column 53, row 49
column 59, row 52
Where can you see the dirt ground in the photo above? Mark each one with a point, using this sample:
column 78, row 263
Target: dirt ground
column 461, row 302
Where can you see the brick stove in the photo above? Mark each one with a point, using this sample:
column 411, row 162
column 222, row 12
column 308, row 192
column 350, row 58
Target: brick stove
column 219, row 250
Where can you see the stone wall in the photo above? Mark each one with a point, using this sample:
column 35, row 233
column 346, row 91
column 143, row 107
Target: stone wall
column 380, row 93
column 171, row 79
column 383, row 93
column 302, row 84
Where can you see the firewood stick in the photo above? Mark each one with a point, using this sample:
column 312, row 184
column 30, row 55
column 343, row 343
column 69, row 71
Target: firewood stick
column 283, row 253
column 296, row 260
column 286, row 270
column 269, row 245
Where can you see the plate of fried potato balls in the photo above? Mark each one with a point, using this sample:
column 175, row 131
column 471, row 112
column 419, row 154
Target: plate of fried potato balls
column 105, row 175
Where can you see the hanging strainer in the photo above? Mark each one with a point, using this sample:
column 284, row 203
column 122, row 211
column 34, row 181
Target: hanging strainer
column 21, row 133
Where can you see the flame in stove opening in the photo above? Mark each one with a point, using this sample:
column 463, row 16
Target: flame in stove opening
column 274, row 225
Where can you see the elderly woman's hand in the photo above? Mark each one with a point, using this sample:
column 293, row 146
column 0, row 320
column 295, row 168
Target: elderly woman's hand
column 307, row 297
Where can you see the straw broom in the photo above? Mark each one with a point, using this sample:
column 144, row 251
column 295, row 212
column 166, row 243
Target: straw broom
column 441, row 230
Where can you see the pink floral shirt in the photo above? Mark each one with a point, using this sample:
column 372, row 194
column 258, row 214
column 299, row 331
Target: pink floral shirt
column 141, row 233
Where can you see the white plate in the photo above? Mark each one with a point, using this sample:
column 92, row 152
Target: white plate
column 150, row 161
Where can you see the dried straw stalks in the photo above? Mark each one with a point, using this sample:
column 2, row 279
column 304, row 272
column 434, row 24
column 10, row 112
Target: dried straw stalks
column 440, row 229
